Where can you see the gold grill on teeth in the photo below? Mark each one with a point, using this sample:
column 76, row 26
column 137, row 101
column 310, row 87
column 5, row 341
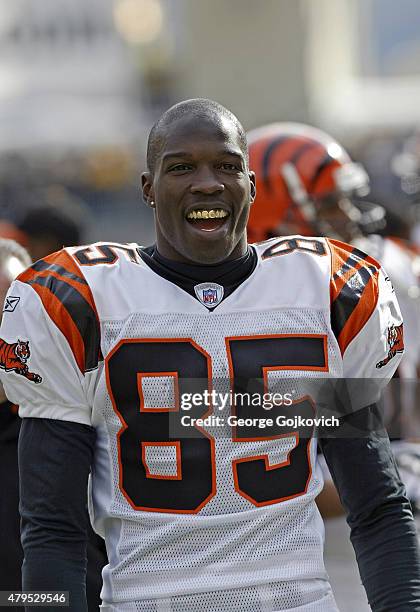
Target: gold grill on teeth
column 207, row 214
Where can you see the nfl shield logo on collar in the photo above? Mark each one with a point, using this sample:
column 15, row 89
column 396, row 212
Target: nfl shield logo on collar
column 209, row 294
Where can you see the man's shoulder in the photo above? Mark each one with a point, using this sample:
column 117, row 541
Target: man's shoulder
column 72, row 264
column 84, row 267
column 53, row 294
column 322, row 269
column 291, row 272
column 104, row 254
column 296, row 253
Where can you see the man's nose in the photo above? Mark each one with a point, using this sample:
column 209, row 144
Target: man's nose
column 206, row 181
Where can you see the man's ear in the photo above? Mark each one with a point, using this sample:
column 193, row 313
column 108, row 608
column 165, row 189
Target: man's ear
column 251, row 175
column 147, row 189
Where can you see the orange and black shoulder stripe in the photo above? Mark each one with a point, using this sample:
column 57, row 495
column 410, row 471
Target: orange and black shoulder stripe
column 354, row 290
column 68, row 300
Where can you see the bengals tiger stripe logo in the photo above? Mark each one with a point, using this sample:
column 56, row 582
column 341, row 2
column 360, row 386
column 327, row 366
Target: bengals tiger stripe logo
column 395, row 339
column 13, row 358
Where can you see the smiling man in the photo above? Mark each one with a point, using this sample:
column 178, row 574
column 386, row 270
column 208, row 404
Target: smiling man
column 204, row 189
column 119, row 336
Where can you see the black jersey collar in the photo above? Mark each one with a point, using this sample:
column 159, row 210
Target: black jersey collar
column 229, row 274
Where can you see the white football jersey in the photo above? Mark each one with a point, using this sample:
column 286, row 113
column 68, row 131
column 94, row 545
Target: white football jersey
column 212, row 513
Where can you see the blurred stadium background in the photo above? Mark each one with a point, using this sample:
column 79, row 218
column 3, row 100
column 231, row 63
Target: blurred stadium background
column 82, row 81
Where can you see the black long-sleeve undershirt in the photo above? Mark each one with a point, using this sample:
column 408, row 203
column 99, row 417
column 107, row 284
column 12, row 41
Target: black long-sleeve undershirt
column 55, row 459
column 383, row 532
column 54, row 463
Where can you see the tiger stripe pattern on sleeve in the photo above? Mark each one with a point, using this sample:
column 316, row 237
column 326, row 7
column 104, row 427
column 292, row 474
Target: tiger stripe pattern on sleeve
column 68, row 300
column 354, row 290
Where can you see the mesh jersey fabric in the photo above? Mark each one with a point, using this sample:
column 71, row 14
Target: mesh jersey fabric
column 305, row 596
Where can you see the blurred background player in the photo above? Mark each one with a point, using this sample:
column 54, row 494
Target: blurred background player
column 13, row 260
column 58, row 220
column 307, row 184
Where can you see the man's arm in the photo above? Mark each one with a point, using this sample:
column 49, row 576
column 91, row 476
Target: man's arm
column 54, row 464
column 383, row 531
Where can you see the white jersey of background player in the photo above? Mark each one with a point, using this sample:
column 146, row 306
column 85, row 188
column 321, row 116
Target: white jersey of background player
column 403, row 266
column 101, row 339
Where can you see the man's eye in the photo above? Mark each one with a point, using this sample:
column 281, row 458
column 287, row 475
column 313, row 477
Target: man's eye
column 179, row 168
column 230, row 167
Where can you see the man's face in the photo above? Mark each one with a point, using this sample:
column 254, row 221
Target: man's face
column 202, row 191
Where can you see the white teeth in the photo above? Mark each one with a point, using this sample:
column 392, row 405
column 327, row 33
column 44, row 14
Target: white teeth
column 208, row 214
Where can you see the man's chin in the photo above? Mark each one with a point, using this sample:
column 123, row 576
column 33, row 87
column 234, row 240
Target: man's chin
column 209, row 253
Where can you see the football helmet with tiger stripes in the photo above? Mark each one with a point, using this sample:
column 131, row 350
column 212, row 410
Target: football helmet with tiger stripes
column 306, row 183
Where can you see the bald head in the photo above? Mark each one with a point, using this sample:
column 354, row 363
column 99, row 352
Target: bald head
column 196, row 108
